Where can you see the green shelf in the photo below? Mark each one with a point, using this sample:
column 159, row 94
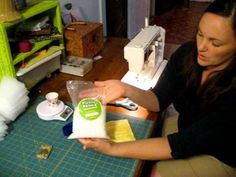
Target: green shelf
column 32, row 11
column 7, row 60
column 36, row 47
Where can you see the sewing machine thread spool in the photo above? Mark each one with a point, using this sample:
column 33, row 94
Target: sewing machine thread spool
column 146, row 22
column 156, row 43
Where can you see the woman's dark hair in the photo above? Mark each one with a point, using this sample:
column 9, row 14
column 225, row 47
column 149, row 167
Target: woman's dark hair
column 222, row 81
column 225, row 8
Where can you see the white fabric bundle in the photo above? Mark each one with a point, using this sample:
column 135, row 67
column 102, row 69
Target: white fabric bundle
column 11, row 110
column 13, row 100
column 12, row 89
column 3, row 128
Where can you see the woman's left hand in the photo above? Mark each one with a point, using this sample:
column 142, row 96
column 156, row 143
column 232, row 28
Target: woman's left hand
column 106, row 91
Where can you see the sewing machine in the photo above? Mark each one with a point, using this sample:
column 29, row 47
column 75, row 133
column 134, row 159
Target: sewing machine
column 144, row 54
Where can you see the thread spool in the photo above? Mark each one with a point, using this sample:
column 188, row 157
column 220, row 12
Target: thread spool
column 146, row 22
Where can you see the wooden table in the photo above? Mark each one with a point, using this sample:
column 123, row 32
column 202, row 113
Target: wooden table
column 111, row 66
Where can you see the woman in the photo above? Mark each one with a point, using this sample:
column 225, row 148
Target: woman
column 200, row 81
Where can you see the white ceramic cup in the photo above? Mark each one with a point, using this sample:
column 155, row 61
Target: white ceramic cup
column 52, row 98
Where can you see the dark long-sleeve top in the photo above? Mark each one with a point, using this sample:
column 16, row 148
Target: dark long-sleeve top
column 211, row 131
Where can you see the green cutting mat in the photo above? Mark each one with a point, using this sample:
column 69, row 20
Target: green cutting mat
column 68, row 159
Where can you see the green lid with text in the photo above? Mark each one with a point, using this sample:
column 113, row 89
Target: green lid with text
column 89, row 108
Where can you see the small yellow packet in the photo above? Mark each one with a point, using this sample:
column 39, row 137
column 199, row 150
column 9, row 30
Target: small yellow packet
column 44, row 151
column 119, row 131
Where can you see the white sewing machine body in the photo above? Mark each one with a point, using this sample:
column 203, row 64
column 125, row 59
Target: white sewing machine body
column 145, row 56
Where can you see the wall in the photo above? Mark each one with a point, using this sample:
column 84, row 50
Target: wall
column 89, row 10
column 137, row 11
column 95, row 10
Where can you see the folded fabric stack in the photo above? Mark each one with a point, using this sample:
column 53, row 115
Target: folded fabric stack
column 13, row 99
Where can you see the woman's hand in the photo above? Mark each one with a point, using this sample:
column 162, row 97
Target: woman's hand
column 101, row 145
column 106, row 91
column 146, row 149
column 110, row 90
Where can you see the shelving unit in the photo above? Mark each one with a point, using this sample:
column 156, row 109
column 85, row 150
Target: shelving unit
column 36, row 47
column 8, row 61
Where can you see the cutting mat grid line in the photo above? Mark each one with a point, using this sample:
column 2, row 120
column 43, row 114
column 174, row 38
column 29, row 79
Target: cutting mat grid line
column 27, row 133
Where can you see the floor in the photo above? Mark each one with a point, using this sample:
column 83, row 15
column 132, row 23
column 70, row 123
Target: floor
column 181, row 23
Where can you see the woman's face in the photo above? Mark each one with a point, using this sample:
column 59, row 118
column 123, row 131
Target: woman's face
column 216, row 42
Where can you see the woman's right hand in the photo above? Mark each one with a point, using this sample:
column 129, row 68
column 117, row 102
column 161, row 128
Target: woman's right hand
column 106, row 91
column 100, row 145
